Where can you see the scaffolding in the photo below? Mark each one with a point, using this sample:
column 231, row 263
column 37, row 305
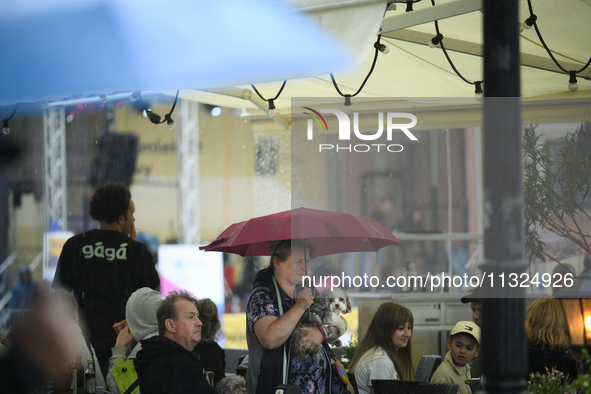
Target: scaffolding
column 187, row 153
column 54, row 133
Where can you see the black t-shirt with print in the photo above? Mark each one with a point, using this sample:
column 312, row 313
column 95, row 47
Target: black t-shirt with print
column 103, row 268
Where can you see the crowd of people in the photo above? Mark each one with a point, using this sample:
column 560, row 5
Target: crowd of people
column 137, row 339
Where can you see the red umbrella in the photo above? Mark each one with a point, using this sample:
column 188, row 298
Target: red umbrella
column 329, row 233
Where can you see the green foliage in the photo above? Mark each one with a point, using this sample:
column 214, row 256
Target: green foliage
column 583, row 383
column 555, row 188
column 351, row 349
column 552, row 382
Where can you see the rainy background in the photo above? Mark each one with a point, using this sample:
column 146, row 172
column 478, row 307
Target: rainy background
column 218, row 167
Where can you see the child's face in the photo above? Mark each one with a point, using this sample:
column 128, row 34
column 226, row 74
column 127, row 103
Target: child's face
column 463, row 349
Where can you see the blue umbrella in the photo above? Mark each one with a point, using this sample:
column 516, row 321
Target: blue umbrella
column 56, row 48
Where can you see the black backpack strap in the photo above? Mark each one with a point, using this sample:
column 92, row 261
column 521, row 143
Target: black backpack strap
column 132, row 387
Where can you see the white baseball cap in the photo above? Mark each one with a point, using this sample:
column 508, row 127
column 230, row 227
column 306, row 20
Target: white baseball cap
column 467, row 327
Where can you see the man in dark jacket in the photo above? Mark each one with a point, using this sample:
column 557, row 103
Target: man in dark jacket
column 166, row 363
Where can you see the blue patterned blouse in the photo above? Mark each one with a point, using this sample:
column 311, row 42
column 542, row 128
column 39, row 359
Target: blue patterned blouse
column 311, row 375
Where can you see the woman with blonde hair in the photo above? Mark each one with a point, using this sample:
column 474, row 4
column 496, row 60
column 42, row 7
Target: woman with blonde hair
column 385, row 350
column 547, row 334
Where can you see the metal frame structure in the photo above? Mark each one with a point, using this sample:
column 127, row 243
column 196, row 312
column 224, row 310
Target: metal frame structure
column 187, row 153
column 54, row 133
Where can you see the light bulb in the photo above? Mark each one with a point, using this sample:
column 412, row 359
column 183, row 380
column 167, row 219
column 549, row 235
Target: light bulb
column 103, row 98
column 588, row 322
column 520, row 27
column 134, row 96
column 435, row 41
column 272, row 109
column 216, row 111
column 348, row 108
column 529, row 22
column 5, row 128
column 171, row 124
column 573, row 87
column 478, row 92
column 572, row 82
column 381, row 47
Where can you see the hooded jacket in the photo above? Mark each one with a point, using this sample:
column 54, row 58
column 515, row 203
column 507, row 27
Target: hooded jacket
column 23, row 293
column 140, row 313
column 164, row 366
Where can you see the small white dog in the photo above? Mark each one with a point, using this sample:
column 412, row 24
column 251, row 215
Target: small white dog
column 326, row 309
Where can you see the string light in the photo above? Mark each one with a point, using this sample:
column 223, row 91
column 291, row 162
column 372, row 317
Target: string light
column 103, row 98
column 135, row 96
column 169, row 121
column 531, row 21
column 154, row 117
column 272, row 110
column 347, row 109
column 382, row 48
column 435, row 41
column 5, row 126
column 573, row 86
column 478, row 93
column 438, row 40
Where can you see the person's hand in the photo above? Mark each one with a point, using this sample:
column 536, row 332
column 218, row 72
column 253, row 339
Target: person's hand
column 304, row 299
column 313, row 339
column 124, row 337
column 120, row 326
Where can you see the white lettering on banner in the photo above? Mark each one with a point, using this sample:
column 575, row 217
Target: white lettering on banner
column 100, row 251
column 345, row 125
column 345, row 130
column 403, row 127
column 366, row 137
column 361, row 148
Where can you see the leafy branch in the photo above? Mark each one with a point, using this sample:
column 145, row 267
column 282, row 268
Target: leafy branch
column 556, row 189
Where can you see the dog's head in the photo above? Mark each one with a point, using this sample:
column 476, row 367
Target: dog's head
column 337, row 300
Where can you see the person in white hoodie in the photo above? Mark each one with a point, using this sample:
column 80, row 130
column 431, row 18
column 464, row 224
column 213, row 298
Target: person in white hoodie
column 66, row 307
column 140, row 313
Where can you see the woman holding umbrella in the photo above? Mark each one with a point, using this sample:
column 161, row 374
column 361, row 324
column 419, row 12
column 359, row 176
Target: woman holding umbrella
column 272, row 313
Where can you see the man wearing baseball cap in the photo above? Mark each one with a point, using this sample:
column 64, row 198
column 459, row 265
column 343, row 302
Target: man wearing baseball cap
column 463, row 345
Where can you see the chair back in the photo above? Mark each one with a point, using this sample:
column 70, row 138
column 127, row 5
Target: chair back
column 232, row 359
column 437, row 388
column 475, row 385
column 352, row 380
column 393, row 386
column 426, row 368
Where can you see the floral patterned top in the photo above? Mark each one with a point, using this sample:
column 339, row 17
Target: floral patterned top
column 311, row 375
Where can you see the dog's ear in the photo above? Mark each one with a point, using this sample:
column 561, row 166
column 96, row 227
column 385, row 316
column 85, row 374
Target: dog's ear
column 349, row 306
column 325, row 301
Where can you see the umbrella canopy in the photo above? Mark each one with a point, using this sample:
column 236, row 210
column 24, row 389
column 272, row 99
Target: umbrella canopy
column 328, row 232
column 52, row 49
